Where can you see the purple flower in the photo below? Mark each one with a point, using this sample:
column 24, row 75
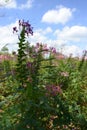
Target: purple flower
column 29, row 64
column 24, row 25
column 20, row 23
column 41, row 47
column 53, row 90
column 53, row 50
column 15, row 29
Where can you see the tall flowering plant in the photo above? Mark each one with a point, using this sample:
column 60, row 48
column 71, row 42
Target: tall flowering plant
column 22, row 72
column 25, row 29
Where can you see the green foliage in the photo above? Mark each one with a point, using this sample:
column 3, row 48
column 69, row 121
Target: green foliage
column 40, row 92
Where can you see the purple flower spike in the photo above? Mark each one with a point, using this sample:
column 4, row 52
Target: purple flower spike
column 27, row 27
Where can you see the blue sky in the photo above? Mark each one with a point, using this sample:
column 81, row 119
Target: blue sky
column 58, row 23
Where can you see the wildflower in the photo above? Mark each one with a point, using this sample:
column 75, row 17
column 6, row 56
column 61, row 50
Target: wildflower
column 45, row 48
column 29, row 64
column 53, row 50
column 5, row 57
column 27, row 27
column 53, row 90
column 15, row 29
column 42, row 48
column 37, row 45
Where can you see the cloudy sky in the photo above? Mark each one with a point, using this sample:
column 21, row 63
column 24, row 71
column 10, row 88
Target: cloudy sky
column 58, row 23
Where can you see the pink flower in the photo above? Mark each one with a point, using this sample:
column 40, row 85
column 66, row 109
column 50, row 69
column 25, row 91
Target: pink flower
column 5, row 57
column 53, row 90
column 41, row 47
column 53, row 50
column 29, row 64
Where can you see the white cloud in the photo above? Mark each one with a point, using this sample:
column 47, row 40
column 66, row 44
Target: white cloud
column 27, row 5
column 14, row 4
column 41, row 35
column 58, row 15
column 44, row 31
column 38, row 36
column 48, row 30
column 3, row 2
column 74, row 33
column 7, row 36
column 72, row 49
column 8, row 4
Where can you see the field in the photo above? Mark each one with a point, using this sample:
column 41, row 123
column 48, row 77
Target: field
column 41, row 89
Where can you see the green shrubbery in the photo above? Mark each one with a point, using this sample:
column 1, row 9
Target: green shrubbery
column 40, row 92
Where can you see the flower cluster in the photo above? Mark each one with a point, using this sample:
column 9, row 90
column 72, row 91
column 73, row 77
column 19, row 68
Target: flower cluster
column 5, row 57
column 38, row 49
column 44, row 49
column 41, row 46
column 53, row 90
column 27, row 27
column 53, row 50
